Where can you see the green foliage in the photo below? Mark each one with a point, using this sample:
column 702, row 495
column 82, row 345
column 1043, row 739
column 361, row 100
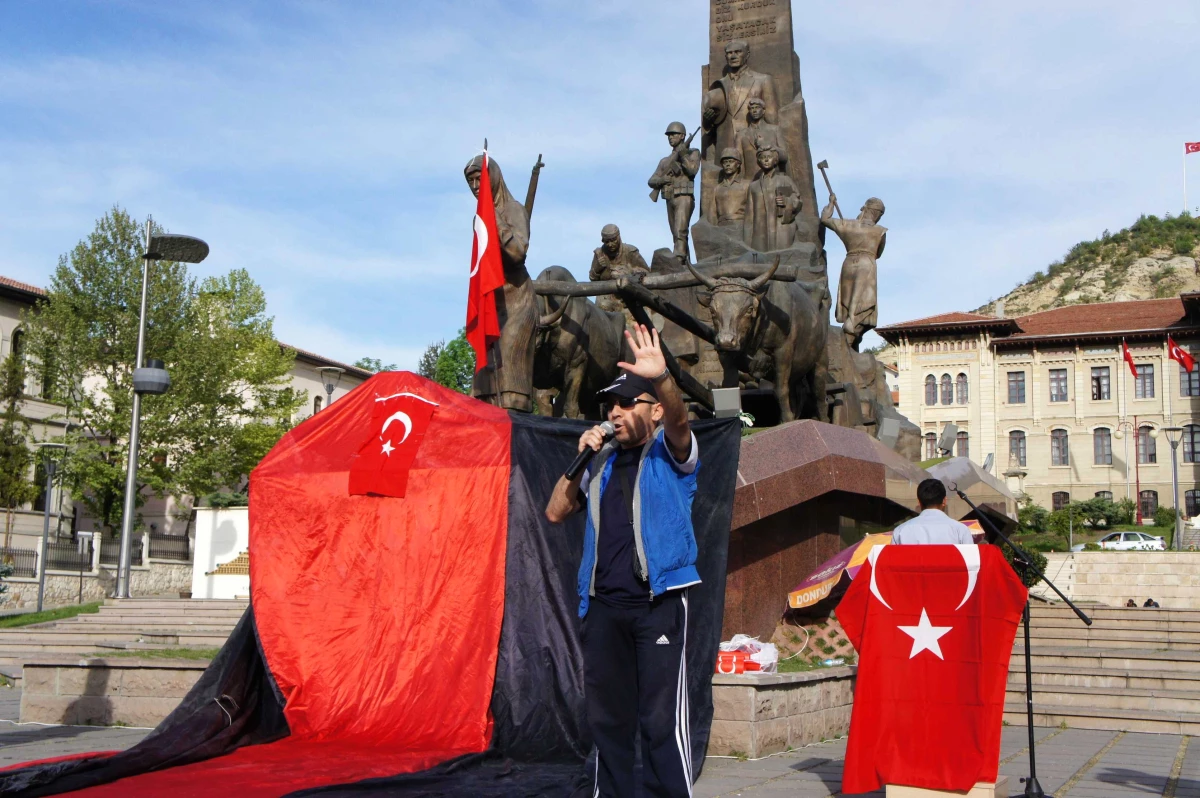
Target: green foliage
column 1164, row 517
column 1029, row 578
column 1126, row 512
column 1184, row 244
column 224, row 499
column 183, row 652
column 456, row 364
column 1031, row 517
column 58, row 614
column 16, row 458
column 1043, row 543
column 6, row 570
column 374, row 365
column 229, row 400
column 427, row 365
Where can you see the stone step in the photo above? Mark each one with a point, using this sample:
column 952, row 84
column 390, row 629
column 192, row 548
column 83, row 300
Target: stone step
column 1057, row 697
column 76, row 642
column 1144, row 642
column 153, row 628
column 1108, row 679
column 165, row 612
column 173, row 602
column 1116, row 632
column 1134, row 720
column 1104, row 612
column 1139, row 624
column 1107, row 659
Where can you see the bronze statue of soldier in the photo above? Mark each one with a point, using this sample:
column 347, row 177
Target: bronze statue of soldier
column 612, row 259
column 675, row 178
column 727, row 102
column 864, row 239
column 731, row 195
column 507, row 379
column 774, row 203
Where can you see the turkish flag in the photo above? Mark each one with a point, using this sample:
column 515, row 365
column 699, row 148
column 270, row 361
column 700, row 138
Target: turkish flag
column 487, row 273
column 398, row 425
column 934, row 629
column 1128, row 356
column 1180, row 355
column 1191, row 146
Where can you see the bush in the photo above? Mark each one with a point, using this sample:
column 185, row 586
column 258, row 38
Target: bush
column 1042, row 543
column 1031, row 517
column 6, row 571
column 1184, row 244
column 1027, row 577
column 1126, row 512
column 1165, row 517
column 1060, row 522
column 227, row 499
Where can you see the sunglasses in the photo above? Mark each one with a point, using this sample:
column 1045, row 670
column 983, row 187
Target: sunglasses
column 625, row 403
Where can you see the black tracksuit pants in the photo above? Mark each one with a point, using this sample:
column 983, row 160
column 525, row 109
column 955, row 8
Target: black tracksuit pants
column 635, row 678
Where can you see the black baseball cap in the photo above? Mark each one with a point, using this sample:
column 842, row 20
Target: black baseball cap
column 629, row 386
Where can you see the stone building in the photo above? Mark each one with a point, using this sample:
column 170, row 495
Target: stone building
column 1050, row 396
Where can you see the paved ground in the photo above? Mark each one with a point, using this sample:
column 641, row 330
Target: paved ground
column 1083, row 764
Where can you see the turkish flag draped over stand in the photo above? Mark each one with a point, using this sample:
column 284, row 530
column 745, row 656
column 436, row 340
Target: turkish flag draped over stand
column 487, row 273
column 1128, row 357
column 934, row 629
column 1180, row 355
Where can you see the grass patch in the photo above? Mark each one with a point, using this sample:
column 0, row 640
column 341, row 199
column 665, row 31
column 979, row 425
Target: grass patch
column 802, row 664
column 62, row 613
column 162, row 653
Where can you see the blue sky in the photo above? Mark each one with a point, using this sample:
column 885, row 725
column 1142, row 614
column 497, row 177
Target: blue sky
column 320, row 145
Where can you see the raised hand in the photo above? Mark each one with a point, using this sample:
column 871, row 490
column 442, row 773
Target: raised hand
column 648, row 360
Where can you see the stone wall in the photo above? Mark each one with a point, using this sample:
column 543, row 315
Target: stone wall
column 105, row 692
column 157, row 578
column 756, row 714
column 1113, row 577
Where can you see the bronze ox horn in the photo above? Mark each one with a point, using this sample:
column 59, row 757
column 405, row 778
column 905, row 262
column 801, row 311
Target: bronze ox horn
column 708, row 282
column 761, row 280
column 553, row 316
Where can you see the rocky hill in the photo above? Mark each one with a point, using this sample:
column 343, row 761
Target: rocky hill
column 1153, row 258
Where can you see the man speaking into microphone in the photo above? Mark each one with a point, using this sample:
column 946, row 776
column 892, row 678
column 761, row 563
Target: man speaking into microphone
column 639, row 558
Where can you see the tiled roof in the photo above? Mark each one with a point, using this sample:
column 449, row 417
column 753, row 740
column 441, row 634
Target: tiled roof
column 324, row 361
column 1099, row 319
column 9, row 282
column 955, row 317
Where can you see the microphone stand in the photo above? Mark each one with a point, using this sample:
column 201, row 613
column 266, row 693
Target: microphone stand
column 1033, row 789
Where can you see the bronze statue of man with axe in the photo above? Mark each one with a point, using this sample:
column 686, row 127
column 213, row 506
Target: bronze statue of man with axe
column 864, row 239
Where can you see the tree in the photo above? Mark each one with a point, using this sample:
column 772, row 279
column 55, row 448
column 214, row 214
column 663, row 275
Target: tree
column 16, row 459
column 229, row 400
column 374, row 365
column 456, row 364
column 427, row 366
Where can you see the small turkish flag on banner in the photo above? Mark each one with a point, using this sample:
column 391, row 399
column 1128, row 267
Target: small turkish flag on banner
column 1180, row 355
column 398, row 426
column 1128, row 356
column 1191, row 146
column 934, row 629
column 487, row 273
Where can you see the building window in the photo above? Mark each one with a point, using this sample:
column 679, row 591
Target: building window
column 1144, row 386
column 1149, row 500
column 316, row 405
column 39, row 478
column 1191, row 503
column 961, row 388
column 1060, row 499
column 1058, row 385
column 931, row 390
column 1060, row 454
column 1191, row 443
column 1147, row 452
column 947, row 390
column 1102, row 446
column 1189, row 381
column 964, row 445
column 1016, row 447
column 1100, row 383
column 18, row 343
column 1104, row 494
column 930, row 445
column 1016, row 387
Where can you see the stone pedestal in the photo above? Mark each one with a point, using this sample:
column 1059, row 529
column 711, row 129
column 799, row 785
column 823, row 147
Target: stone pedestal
column 980, row 790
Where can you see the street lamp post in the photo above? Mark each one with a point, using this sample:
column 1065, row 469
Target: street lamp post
column 152, row 379
column 1122, row 428
column 330, row 377
column 1175, row 435
column 50, row 467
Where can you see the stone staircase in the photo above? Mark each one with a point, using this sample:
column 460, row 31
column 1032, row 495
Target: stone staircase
column 129, row 624
column 1132, row 670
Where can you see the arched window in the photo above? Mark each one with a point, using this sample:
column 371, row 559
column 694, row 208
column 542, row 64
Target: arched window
column 964, row 445
column 931, row 390
column 1147, row 451
column 1102, row 446
column 18, row 343
column 961, row 388
column 1191, row 443
column 1060, row 453
column 1191, row 503
column 1016, row 447
column 1149, row 501
column 1060, row 499
column 947, row 390
column 1104, row 494
column 316, row 405
column 930, row 445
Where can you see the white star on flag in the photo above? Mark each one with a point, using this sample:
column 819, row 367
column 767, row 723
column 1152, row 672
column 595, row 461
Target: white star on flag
column 388, row 448
column 925, row 636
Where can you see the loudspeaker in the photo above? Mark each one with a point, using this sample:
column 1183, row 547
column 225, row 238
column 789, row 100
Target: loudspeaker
column 948, row 439
column 889, row 432
column 987, row 462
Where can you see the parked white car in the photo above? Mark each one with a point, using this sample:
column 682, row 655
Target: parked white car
column 1132, row 541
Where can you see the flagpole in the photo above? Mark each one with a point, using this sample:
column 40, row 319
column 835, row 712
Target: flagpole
column 1185, row 154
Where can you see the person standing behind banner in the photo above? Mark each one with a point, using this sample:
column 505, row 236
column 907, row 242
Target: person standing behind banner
column 639, row 559
column 932, row 526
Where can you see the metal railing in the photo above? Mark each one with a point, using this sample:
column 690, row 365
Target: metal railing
column 23, row 561
column 110, row 551
column 169, row 547
column 69, row 556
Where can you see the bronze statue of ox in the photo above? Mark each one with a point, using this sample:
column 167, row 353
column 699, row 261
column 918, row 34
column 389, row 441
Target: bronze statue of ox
column 577, row 349
column 777, row 326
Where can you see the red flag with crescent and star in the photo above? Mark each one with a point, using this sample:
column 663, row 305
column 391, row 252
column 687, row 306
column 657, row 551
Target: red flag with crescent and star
column 1190, row 147
column 934, row 629
column 398, row 425
column 1128, row 357
column 1180, row 355
column 487, row 273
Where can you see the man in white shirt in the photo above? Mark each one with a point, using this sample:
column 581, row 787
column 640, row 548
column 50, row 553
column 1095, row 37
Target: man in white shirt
column 932, row 526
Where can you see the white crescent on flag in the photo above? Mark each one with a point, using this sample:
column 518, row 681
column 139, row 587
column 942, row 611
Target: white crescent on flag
column 404, row 419
column 970, row 555
column 481, row 244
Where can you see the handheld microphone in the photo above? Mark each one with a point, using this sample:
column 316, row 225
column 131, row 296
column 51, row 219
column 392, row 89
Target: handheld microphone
column 585, row 457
